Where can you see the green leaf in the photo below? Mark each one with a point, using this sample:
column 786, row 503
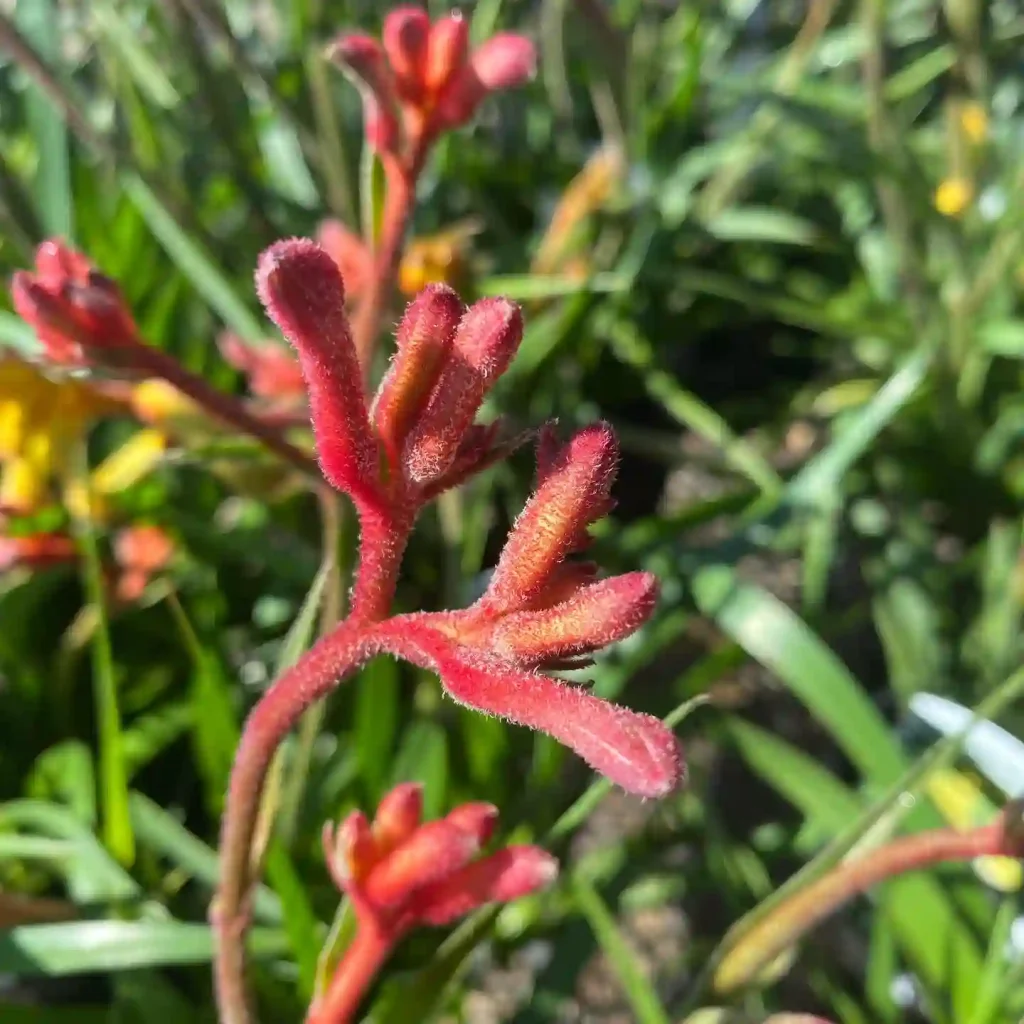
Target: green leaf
column 16, row 334
column 1002, row 338
column 117, row 826
column 376, row 721
column 820, row 479
column 639, row 991
column 423, row 757
column 52, row 179
column 194, row 262
column 161, row 832
column 305, row 932
column 761, row 224
column 82, row 947
column 770, row 632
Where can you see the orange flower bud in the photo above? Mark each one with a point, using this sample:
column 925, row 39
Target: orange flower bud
column 447, row 50
column 398, row 815
column 478, row 819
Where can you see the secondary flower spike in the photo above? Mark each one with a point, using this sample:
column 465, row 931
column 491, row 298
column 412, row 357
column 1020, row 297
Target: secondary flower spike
column 78, row 314
column 401, row 873
column 423, row 79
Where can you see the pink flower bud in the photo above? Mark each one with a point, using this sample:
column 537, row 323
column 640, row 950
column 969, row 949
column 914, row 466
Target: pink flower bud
column 398, row 815
column 506, row 875
column 36, row 551
column 301, row 288
column 573, row 493
column 447, row 51
column 79, row 315
column 349, row 850
column 433, row 851
column 505, row 61
column 405, row 37
column 272, row 371
column 363, row 60
column 485, row 343
column 596, row 616
column 424, row 341
column 478, row 819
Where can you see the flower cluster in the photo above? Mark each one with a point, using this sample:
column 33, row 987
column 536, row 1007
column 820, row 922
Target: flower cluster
column 401, row 873
column 423, row 79
column 419, row 436
column 79, row 315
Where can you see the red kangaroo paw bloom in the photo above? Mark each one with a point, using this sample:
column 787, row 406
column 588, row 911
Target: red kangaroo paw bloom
column 431, row 878
column 424, row 79
column 79, row 315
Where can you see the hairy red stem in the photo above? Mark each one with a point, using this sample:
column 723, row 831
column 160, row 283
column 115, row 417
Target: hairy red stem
column 770, row 937
column 224, row 407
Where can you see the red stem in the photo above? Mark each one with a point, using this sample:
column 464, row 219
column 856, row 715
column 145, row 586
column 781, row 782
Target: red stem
column 224, row 407
column 400, row 194
column 353, row 976
column 769, row 937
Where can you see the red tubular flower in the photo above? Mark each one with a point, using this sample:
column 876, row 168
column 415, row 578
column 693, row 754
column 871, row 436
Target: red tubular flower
column 302, row 291
column 423, row 874
column 428, row 73
column 78, row 314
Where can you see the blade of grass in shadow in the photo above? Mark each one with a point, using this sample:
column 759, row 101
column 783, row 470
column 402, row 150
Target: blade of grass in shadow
column 161, row 832
column 52, row 179
column 635, row 351
column 193, row 260
column 116, row 822
column 638, row 989
column 770, row 631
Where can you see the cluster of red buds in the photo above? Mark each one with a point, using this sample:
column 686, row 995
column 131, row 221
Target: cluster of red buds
column 423, row 79
column 419, row 437
column 79, row 315
column 401, row 873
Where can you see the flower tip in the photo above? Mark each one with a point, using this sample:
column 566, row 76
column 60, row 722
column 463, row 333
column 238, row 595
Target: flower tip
column 505, row 61
column 398, row 815
column 297, row 276
column 477, row 819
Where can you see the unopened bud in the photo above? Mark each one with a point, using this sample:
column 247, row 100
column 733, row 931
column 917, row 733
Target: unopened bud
column 447, row 51
column 424, row 341
column 485, row 343
column 302, row 291
column 405, row 36
column 398, row 815
column 574, row 492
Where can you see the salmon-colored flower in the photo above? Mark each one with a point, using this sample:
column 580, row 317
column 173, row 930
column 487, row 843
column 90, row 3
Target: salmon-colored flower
column 141, row 551
column 272, row 371
column 78, row 314
column 423, row 78
column 401, row 873
column 35, row 550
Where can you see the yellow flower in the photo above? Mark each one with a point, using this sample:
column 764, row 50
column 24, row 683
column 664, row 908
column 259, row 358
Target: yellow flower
column 974, row 122
column 953, row 196
column 40, row 422
column 436, row 259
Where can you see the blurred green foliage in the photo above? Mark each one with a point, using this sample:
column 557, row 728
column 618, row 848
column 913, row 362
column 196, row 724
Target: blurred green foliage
column 801, row 307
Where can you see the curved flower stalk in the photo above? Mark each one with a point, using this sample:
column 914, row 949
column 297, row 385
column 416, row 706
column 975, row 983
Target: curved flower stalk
column 401, row 873
column 544, row 609
column 757, row 947
column 419, row 81
column 81, row 319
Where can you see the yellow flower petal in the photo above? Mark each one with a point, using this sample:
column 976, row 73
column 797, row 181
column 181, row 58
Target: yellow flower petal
column 136, row 458
column 974, row 122
column 22, row 487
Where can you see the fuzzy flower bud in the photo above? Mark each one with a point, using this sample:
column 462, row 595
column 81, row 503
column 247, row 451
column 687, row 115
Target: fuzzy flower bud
column 485, row 343
column 596, row 616
column 447, row 51
column 405, row 37
column 399, row 815
column 573, row 492
column 477, row 819
column 363, row 60
column 302, row 291
column 424, row 341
